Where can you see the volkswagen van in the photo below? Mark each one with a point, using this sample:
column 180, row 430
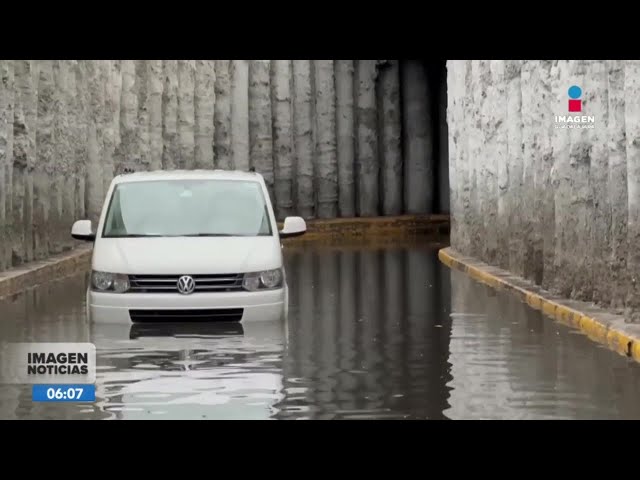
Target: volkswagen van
column 187, row 246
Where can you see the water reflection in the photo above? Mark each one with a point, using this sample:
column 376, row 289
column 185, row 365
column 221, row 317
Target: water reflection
column 369, row 335
column 189, row 371
column 375, row 333
column 51, row 312
column 510, row 362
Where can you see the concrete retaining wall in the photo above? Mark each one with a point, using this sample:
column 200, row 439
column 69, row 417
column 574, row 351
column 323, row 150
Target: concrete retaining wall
column 558, row 206
column 345, row 138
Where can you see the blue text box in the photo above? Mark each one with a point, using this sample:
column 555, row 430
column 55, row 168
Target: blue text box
column 64, row 393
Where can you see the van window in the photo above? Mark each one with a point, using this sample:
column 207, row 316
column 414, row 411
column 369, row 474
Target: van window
column 187, row 208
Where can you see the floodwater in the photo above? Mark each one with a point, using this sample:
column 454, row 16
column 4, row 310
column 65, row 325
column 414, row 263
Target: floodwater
column 386, row 333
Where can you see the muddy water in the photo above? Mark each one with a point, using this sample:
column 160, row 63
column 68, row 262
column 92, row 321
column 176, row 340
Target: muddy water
column 385, row 333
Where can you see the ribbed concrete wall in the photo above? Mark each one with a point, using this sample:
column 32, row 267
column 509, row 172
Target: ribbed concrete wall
column 559, row 206
column 333, row 138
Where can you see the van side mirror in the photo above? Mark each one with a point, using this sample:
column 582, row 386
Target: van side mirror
column 81, row 230
column 293, row 227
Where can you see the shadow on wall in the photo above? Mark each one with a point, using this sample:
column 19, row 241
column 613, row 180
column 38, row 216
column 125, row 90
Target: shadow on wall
column 425, row 162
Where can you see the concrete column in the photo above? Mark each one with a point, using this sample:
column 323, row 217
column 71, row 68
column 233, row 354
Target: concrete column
column 204, row 112
column 391, row 135
column 127, row 156
column 282, row 136
column 581, row 220
column 142, row 127
column 65, row 150
column 474, row 147
column 45, row 187
column 170, row 140
column 632, row 124
column 111, row 134
column 417, row 138
column 155, row 91
column 95, row 146
column 542, row 159
column 81, row 135
column 596, row 103
column 487, row 146
column 111, row 126
column 303, row 138
column 240, row 114
column 222, row 116
column 260, row 128
column 458, row 153
column 558, row 176
column 561, row 183
column 514, row 165
column 367, row 161
column 617, row 181
column 186, row 113
column 23, row 159
column 345, row 137
column 325, row 114
column 6, row 161
column 529, row 119
column 497, row 115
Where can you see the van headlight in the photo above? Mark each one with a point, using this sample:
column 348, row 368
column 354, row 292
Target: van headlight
column 267, row 279
column 109, row 282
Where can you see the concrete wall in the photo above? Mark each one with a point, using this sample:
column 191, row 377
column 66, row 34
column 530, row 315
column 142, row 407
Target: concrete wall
column 333, row 138
column 559, row 206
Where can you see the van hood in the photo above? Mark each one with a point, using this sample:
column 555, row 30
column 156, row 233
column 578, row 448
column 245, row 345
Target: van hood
column 186, row 255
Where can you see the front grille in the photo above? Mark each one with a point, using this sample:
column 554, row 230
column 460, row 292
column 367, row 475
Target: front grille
column 199, row 315
column 231, row 282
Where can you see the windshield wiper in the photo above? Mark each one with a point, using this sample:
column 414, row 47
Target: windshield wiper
column 131, row 235
column 209, row 235
column 140, row 235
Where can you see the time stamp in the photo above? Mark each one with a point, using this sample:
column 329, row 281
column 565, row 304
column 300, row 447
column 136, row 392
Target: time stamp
column 64, row 393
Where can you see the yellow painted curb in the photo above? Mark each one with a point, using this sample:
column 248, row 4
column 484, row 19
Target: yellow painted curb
column 610, row 333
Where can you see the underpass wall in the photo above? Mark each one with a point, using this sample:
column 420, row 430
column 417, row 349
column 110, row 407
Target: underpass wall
column 343, row 138
column 534, row 194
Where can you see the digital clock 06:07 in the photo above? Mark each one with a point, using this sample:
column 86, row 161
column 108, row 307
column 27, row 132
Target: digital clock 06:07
column 64, row 393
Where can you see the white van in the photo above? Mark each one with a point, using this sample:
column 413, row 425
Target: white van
column 188, row 246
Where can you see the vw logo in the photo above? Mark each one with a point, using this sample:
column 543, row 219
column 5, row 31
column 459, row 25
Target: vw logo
column 186, row 285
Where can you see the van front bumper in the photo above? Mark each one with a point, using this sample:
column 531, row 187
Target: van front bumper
column 268, row 305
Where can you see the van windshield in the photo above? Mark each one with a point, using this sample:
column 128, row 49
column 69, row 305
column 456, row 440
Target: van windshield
column 171, row 208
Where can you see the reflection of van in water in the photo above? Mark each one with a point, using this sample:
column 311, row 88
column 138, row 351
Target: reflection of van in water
column 189, row 371
column 187, row 246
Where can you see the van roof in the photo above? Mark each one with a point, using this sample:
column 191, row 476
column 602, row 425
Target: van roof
column 202, row 174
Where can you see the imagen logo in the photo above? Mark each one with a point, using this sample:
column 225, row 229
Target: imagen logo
column 48, row 363
column 575, row 106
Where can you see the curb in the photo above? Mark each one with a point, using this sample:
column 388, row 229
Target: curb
column 34, row 273
column 599, row 325
column 369, row 228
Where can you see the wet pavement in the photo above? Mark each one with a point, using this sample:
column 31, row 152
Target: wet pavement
column 386, row 333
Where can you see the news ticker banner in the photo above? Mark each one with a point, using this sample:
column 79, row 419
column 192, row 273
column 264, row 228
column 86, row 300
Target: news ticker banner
column 59, row 372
